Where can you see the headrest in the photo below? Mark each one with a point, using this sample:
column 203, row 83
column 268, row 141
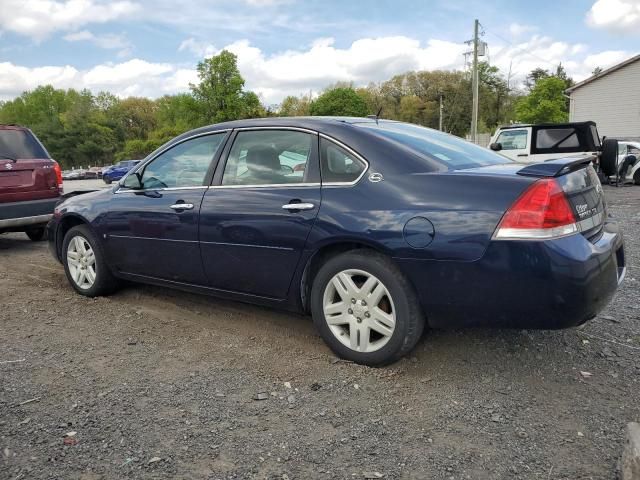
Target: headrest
column 263, row 159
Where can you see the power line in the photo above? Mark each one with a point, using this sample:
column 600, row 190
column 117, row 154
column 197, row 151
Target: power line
column 522, row 49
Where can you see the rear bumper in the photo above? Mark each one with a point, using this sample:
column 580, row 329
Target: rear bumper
column 520, row 284
column 16, row 215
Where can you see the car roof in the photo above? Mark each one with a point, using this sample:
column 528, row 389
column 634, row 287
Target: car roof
column 320, row 124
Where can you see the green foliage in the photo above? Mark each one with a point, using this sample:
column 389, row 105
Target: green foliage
column 220, row 94
column 545, row 103
column 295, row 106
column 342, row 101
column 81, row 129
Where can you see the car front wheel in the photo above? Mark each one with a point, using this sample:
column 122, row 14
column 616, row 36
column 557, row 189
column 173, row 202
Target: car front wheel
column 107, row 180
column 365, row 309
column 84, row 263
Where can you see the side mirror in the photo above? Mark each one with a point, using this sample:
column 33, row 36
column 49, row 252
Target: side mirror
column 496, row 147
column 133, row 181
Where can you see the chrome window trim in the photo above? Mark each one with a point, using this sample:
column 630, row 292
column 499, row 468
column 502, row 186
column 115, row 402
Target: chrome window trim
column 352, row 152
column 149, row 160
column 167, row 189
column 267, row 185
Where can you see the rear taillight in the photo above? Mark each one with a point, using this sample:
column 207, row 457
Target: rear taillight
column 541, row 212
column 58, row 170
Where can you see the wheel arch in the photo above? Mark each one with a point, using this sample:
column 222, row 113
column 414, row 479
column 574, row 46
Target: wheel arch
column 322, row 254
column 66, row 223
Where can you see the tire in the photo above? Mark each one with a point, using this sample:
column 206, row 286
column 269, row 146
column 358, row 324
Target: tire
column 399, row 301
column 37, row 234
column 107, row 180
column 609, row 156
column 636, row 177
column 103, row 282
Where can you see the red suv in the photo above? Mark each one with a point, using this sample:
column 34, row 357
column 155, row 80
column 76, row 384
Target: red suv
column 30, row 182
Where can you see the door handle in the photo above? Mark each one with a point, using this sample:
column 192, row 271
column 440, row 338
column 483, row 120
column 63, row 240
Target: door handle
column 523, row 155
column 182, row 206
column 298, row 206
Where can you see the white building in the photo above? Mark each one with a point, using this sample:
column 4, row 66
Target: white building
column 611, row 99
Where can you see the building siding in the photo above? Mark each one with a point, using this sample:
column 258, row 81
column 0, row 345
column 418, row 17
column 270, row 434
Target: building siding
column 612, row 101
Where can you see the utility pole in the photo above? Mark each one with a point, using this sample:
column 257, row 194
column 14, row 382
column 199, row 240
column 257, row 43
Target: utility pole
column 441, row 110
column 475, row 80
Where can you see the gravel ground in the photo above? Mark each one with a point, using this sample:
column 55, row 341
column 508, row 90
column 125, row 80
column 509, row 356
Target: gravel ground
column 161, row 384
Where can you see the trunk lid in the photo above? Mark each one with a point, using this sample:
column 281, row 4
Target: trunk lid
column 577, row 179
column 581, row 186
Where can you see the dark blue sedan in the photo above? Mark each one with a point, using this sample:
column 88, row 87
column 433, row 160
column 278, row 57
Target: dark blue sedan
column 119, row 170
column 376, row 228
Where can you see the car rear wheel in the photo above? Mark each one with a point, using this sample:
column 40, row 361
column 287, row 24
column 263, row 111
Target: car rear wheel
column 365, row 309
column 84, row 263
column 636, row 177
column 36, row 234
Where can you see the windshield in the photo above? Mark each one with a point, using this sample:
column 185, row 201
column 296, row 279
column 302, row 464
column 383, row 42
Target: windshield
column 20, row 144
column 452, row 152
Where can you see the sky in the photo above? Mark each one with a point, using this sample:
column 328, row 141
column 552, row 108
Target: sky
column 290, row 47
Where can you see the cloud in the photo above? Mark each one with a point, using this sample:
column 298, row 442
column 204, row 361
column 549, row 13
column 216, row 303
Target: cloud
column 199, row 49
column 546, row 52
column 266, row 3
column 40, row 18
column 108, row 41
column 618, row 16
column 293, row 72
column 518, row 29
column 606, row 59
column 365, row 60
column 134, row 77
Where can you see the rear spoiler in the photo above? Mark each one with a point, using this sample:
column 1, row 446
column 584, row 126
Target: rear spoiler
column 556, row 167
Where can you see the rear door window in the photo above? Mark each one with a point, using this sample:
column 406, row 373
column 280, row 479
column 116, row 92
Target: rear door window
column 20, row 144
column 269, row 157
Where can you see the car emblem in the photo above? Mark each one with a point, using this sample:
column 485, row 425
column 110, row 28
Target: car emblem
column 376, row 177
column 8, row 166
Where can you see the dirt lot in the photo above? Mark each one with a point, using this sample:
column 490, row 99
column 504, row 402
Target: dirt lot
column 160, row 384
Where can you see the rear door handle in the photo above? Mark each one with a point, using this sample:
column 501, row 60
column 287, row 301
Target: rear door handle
column 182, row 206
column 298, row 206
column 523, row 155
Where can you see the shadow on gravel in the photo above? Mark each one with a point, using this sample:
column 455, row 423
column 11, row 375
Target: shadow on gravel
column 17, row 242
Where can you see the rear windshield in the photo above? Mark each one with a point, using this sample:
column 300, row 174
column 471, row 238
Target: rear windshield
column 20, row 144
column 452, row 152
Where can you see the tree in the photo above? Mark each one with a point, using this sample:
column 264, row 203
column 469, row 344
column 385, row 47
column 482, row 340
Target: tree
column 596, row 71
column 220, row 89
column 534, row 76
column 343, row 101
column 295, row 106
column 545, row 103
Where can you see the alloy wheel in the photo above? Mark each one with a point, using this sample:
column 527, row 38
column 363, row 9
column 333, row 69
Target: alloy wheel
column 359, row 310
column 81, row 261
